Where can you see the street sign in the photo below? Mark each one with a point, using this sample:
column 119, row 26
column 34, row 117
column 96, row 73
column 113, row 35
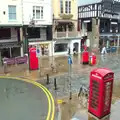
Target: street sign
column 69, row 60
column 38, row 51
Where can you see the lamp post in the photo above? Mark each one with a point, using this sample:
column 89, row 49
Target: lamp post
column 27, row 47
column 69, row 73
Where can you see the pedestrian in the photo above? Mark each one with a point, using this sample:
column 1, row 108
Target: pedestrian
column 74, row 51
column 104, row 51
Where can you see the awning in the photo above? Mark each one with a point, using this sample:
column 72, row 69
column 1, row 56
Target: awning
column 9, row 45
column 64, row 21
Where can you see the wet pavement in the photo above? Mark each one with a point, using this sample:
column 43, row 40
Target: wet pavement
column 20, row 100
column 77, row 107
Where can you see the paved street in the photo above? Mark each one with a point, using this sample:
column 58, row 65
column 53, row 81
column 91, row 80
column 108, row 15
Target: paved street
column 76, row 108
column 20, row 100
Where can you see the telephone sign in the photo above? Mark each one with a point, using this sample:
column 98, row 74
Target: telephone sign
column 38, row 52
column 69, row 60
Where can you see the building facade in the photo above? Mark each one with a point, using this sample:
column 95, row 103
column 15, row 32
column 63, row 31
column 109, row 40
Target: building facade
column 65, row 35
column 100, row 24
column 37, row 25
column 10, row 27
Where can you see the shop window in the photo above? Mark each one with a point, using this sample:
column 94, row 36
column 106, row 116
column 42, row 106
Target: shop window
column 61, row 47
column 15, row 51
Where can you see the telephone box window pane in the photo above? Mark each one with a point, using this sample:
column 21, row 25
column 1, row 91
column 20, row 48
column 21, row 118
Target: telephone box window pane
column 107, row 96
column 95, row 94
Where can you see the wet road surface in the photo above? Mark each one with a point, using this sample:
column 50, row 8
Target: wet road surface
column 22, row 101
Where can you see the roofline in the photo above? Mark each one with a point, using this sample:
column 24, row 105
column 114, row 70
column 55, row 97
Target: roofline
column 89, row 4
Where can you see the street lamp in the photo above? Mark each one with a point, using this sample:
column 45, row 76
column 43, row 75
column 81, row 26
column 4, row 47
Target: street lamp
column 69, row 72
column 27, row 47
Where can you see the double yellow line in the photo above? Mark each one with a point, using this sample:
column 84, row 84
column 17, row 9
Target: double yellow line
column 51, row 105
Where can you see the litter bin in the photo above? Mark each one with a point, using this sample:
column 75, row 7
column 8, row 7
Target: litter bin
column 92, row 59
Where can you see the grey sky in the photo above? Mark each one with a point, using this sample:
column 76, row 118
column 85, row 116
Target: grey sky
column 83, row 2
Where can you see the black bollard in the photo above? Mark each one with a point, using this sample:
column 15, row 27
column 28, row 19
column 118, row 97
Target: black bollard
column 70, row 95
column 55, row 84
column 48, row 79
column 70, row 98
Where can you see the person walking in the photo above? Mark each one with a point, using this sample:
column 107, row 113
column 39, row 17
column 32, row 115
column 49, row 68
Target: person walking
column 104, row 51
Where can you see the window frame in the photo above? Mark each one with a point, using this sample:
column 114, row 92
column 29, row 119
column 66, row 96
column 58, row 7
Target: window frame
column 40, row 14
column 61, row 7
column 12, row 12
column 68, row 6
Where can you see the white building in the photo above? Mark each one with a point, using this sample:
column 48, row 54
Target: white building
column 37, row 21
column 10, row 27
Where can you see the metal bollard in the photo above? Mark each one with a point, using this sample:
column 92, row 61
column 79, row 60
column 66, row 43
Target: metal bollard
column 5, row 67
column 55, row 83
column 70, row 95
column 48, row 79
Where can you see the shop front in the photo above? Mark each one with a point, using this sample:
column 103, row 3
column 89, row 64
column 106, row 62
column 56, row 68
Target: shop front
column 45, row 47
column 62, row 47
column 112, row 43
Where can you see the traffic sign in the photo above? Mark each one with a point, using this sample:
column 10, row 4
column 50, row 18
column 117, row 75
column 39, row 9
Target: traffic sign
column 38, row 51
column 69, row 60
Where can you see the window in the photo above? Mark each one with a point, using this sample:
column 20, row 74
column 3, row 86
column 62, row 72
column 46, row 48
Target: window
column 33, row 32
column 5, row 33
column 37, row 12
column 67, row 6
column 12, row 12
column 62, row 47
column 61, row 6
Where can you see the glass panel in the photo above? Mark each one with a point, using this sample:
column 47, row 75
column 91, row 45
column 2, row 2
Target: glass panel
column 37, row 14
column 61, row 47
column 61, row 6
column 12, row 12
column 41, row 12
column 66, row 6
column 69, row 6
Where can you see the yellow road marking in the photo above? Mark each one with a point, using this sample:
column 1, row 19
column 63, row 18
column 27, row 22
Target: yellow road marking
column 45, row 90
column 59, row 101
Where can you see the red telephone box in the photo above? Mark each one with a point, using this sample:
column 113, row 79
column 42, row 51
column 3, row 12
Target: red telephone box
column 85, row 57
column 33, row 59
column 100, row 94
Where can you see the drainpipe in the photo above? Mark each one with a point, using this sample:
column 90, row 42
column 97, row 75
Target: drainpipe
column 0, row 58
column 66, row 31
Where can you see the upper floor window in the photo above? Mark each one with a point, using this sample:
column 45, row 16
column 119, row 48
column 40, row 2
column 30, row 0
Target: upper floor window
column 67, row 6
column 12, row 12
column 37, row 12
column 61, row 6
